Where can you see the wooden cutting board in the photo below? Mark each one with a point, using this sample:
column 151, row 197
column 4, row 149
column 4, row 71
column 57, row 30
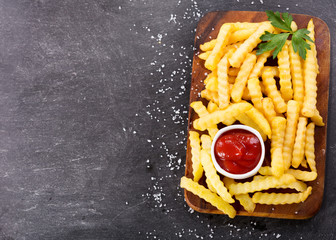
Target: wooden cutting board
column 207, row 29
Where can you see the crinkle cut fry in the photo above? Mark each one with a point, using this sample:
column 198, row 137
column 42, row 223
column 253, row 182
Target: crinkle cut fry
column 226, row 116
column 210, row 172
column 281, row 198
column 208, row 196
column 210, row 96
column 241, row 80
column 260, row 120
column 217, row 53
column 310, row 73
column 285, row 77
column 244, row 199
column 310, row 146
column 262, row 58
column 250, row 43
column 298, row 174
column 293, row 109
column 299, row 145
column 195, row 155
column 246, row 120
column 296, row 74
column 268, row 109
column 272, row 91
column 223, row 83
column 199, row 108
column 254, row 88
column 262, row 184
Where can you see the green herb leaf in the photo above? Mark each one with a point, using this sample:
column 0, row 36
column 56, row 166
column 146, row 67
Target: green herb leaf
column 277, row 21
column 299, row 43
column 275, row 41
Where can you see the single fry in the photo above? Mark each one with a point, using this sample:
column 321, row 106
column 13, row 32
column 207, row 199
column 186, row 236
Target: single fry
column 281, row 198
column 209, row 76
column 299, row 145
column 297, row 185
column 246, row 201
column 212, row 83
column 226, row 116
column 277, row 163
column 217, row 52
column 310, row 73
column 309, row 149
column 206, row 142
column 210, row 172
column 278, row 132
column 274, row 70
column 195, row 155
column 208, row 196
column 246, row 25
column 304, row 163
column 272, row 91
column 266, row 171
column 317, row 119
column 255, row 92
column 212, row 131
column 260, row 120
column 285, row 77
column 302, row 175
column 240, row 83
column 223, row 84
column 268, row 109
column 262, row 58
column 210, row 95
column 211, row 188
column 212, row 107
column 246, row 94
column 293, row 109
column 238, row 57
column 296, row 73
column 205, row 55
column 199, row 108
column 259, row 185
column 208, row 46
column 241, row 35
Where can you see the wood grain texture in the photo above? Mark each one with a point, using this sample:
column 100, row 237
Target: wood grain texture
column 207, row 29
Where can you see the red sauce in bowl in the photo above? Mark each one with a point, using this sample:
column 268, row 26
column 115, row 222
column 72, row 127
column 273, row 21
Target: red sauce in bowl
column 238, row 151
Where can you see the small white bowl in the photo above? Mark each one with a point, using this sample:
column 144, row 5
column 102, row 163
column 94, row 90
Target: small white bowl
column 244, row 175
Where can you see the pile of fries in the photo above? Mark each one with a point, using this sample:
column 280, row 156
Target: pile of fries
column 278, row 101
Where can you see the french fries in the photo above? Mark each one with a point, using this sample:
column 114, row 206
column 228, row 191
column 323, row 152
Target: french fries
column 248, row 45
column 281, row 198
column 208, row 196
column 241, row 80
column 217, row 52
column 310, row 73
column 196, row 155
column 292, row 120
column 277, row 101
column 299, row 145
column 211, row 174
column 285, row 77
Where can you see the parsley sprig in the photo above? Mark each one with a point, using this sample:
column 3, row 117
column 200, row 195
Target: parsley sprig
column 277, row 41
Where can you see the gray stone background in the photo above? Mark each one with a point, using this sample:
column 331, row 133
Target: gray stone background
column 93, row 122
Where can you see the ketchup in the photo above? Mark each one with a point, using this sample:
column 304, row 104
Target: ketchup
column 238, row 151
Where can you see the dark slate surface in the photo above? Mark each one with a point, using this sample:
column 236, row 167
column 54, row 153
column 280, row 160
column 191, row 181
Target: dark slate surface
column 93, row 112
